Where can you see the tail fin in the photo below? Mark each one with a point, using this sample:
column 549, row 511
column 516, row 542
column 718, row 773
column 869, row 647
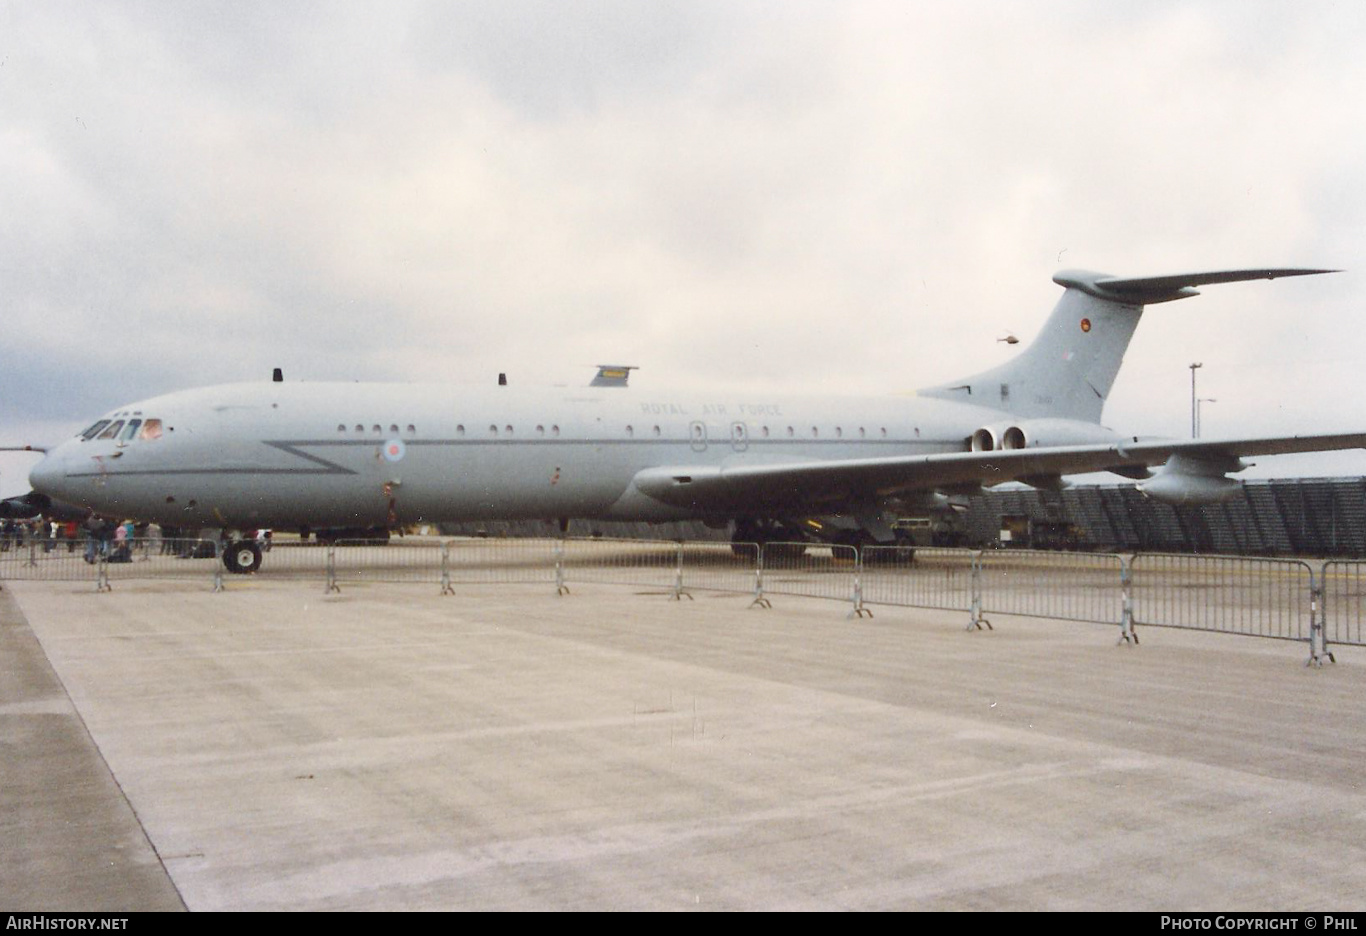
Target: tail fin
column 1068, row 370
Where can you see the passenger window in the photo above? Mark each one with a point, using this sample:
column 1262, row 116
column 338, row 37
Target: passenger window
column 555, row 430
column 460, row 430
column 393, row 430
column 94, row 430
column 113, row 430
column 341, row 427
column 151, row 429
column 411, row 429
column 359, row 427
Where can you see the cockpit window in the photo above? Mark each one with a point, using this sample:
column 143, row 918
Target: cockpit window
column 130, row 430
column 151, row 429
column 113, row 429
column 94, row 430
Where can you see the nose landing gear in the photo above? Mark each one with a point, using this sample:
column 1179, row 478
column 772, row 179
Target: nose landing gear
column 242, row 557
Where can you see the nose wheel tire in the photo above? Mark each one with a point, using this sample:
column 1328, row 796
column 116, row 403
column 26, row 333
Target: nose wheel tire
column 242, row 557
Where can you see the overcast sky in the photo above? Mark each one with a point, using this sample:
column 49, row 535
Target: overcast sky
column 845, row 198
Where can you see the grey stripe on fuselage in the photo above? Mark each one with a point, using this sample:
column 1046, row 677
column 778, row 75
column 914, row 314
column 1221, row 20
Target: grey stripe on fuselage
column 332, row 468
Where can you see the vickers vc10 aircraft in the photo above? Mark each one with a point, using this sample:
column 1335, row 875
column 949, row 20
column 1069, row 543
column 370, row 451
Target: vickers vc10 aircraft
column 362, row 455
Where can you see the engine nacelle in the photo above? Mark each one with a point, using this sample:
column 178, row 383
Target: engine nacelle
column 1187, row 480
column 1040, row 433
column 988, row 438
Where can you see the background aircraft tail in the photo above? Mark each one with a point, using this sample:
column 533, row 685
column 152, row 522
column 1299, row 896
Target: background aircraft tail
column 1068, row 370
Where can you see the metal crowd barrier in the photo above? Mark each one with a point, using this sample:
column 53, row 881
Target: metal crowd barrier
column 408, row 561
column 810, row 570
column 1283, row 599
column 720, row 567
column 500, row 561
column 673, row 566
column 919, row 578
column 640, row 563
column 103, row 560
column 1342, row 607
column 1063, row 586
column 155, row 557
column 1228, row 594
column 38, row 559
column 292, row 559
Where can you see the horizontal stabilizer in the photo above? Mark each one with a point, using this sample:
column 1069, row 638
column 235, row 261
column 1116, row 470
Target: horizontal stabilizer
column 1146, row 290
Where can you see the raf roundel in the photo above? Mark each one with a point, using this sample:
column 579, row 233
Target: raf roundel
column 1086, row 324
column 393, row 450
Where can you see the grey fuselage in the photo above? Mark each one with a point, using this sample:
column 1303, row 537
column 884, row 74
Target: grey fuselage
column 352, row 454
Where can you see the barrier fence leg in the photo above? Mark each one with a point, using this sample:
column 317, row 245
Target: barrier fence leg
column 976, row 620
column 1318, row 638
column 560, row 587
column 218, row 565
column 331, row 585
column 446, row 588
column 1126, row 620
column 859, row 610
column 679, row 594
column 759, row 600
column 102, row 570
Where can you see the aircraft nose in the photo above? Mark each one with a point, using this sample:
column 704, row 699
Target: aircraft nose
column 48, row 476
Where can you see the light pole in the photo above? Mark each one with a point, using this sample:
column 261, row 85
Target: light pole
column 1199, row 413
column 1195, row 430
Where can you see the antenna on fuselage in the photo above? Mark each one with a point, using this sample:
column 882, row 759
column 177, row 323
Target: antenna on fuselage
column 502, row 379
column 277, row 375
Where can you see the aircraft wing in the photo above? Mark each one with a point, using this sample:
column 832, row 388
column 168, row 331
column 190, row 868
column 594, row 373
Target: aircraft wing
column 812, row 483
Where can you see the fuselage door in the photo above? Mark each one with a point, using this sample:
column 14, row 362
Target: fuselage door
column 697, row 434
column 739, row 437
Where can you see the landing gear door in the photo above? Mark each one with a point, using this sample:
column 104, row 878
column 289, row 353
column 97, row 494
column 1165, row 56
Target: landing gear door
column 739, row 437
column 697, row 435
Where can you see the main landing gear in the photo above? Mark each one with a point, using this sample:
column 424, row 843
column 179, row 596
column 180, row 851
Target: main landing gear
column 779, row 541
column 896, row 552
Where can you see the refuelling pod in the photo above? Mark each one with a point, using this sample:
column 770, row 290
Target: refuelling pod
column 1188, row 480
column 1040, row 433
